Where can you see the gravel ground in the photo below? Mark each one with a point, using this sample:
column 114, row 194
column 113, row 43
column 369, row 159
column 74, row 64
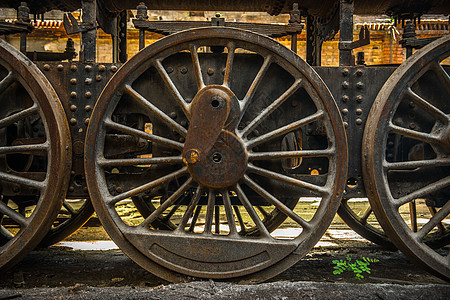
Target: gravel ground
column 219, row 290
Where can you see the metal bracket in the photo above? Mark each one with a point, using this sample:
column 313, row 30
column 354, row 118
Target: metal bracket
column 72, row 26
column 364, row 39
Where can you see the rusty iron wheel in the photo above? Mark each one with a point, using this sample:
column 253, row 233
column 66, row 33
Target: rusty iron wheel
column 73, row 215
column 223, row 128
column 406, row 160
column 35, row 155
column 364, row 222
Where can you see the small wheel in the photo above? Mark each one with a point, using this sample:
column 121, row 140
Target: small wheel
column 227, row 130
column 35, row 155
column 406, row 157
column 359, row 216
column 73, row 215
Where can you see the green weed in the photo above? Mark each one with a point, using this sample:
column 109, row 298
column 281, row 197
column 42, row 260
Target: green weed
column 358, row 266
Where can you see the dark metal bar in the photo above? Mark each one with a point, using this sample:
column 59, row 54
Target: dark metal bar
column 122, row 32
column 346, row 32
column 88, row 37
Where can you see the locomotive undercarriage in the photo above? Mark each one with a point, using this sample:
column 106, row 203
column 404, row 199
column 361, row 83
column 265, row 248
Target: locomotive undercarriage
column 212, row 137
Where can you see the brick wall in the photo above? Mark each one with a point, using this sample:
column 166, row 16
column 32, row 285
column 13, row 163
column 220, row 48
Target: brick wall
column 383, row 49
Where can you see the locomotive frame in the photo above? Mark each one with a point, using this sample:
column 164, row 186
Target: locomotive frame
column 178, row 117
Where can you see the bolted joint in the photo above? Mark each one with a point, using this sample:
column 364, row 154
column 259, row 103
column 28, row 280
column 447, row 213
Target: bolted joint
column 23, row 13
column 217, row 102
column 191, row 157
column 141, row 13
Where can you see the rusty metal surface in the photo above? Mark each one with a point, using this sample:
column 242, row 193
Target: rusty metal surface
column 170, row 27
column 33, row 183
column 406, row 156
column 273, row 7
column 78, row 86
column 153, row 80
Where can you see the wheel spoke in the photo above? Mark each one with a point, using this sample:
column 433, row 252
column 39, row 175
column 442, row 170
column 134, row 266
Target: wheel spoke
column 251, row 211
column 229, row 212
column 366, row 215
column 255, row 84
column 209, row 211
column 39, row 185
column 69, row 208
column 217, row 219
column 5, row 234
column 405, row 165
column 197, row 68
column 191, row 207
column 440, row 226
column 421, row 136
column 284, row 130
column 277, row 176
column 240, row 220
column 441, row 74
column 174, row 197
column 229, row 65
column 172, row 88
column 144, row 135
column 152, row 108
column 262, row 211
column 169, row 160
column 421, row 193
column 198, row 209
column 37, row 149
column 19, row 116
column 413, row 215
column 425, row 105
column 434, row 221
column 133, row 192
column 290, row 154
column 277, row 203
column 7, row 81
column 271, row 108
column 14, row 215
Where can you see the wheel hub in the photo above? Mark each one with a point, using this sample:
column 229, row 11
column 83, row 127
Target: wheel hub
column 215, row 155
column 223, row 165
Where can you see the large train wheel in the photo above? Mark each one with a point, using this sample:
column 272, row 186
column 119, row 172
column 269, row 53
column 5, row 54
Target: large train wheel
column 359, row 216
column 226, row 129
column 406, row 157
column 73, row 215
column 35, row 155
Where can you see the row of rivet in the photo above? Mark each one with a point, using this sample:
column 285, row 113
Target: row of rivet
column 184, row 70
column 88, row 94
column 87, row 68
column 358, row 98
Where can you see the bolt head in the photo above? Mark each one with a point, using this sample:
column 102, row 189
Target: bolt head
column 191, row 157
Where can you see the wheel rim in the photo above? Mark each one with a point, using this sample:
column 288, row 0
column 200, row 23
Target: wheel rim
column 360, row 217
column 32, row 192
column 188, row 250
column 399, row 182
column 73, row 215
